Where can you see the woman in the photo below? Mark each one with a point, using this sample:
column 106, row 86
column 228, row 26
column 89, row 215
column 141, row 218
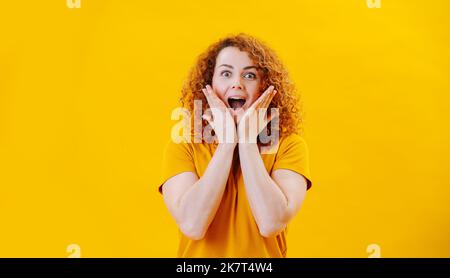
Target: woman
column 228, row 198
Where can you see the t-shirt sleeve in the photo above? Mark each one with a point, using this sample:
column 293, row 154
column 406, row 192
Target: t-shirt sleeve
column 293, row 155
column 177, row 158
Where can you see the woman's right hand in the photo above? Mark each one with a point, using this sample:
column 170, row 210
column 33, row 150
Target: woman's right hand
column 219, row 118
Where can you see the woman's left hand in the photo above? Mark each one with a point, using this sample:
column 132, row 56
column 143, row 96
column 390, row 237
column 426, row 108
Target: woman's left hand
column 252, row 121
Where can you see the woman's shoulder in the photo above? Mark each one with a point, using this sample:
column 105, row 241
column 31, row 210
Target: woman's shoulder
column 190, row 145
column 293, row 138
column 293, row 141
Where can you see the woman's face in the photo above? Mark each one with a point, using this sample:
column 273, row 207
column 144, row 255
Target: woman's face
column 236, row 79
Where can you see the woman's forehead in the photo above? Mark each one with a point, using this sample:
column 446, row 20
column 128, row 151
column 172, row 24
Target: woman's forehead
column 234, row 57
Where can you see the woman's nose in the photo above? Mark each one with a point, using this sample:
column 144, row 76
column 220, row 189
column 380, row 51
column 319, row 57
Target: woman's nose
column 237, row 86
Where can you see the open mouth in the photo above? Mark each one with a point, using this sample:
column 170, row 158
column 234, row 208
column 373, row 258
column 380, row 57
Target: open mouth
column 236, row 102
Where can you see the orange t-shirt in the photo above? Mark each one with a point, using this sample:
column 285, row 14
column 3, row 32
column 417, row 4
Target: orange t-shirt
column 233, row 231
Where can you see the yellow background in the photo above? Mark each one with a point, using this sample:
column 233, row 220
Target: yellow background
column 86, row 96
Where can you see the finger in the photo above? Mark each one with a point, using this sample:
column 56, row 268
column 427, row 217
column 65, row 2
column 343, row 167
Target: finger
column 208, row 119
column 216, row 101
column 266, row 93
column 208, row 114
column 268, row 99
column 208, row 98
column 209, row 89
column 261, row 99
column 212, row 94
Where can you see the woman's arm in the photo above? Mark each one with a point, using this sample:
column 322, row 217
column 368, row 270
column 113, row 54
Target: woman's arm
column 194, row 202
column 275, row 200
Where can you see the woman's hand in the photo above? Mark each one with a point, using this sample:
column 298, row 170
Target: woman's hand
column 219, row 118
column 252, row 121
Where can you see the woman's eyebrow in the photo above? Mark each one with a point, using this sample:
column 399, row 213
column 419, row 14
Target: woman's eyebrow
column 231, row 67
column 250, row 67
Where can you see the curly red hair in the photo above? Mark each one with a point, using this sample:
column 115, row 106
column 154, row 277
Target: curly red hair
column 273, row 73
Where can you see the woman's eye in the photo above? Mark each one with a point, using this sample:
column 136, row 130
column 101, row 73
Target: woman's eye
column 250, row 75
column 225, row 73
